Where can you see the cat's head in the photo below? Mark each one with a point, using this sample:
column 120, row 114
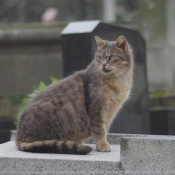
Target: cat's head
column 113, row 57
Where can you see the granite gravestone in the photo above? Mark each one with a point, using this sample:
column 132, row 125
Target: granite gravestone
column 162, row 121
column 78, row 46
column 6, row 126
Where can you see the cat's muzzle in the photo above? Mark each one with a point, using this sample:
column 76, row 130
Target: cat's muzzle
column 106, row 70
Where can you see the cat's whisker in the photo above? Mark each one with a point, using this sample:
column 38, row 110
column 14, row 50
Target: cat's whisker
column 119, row 72
column 117, row 69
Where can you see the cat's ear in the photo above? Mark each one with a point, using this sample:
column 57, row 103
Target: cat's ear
column 99, row 42
column 121, row 43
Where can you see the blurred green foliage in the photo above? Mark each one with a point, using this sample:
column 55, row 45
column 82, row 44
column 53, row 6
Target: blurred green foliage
column 24, row 100
column 162, row 98
column 17, row 98
column 161, row 93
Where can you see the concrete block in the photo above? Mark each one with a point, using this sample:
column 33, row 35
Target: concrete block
column 16, row 162
column 131, row 154
column 148, row 155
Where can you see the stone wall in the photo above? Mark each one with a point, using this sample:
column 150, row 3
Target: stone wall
column 28, row 55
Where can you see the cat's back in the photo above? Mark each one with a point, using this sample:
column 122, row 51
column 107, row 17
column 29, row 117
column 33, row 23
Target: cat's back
column 64, row 87
column 57, row 97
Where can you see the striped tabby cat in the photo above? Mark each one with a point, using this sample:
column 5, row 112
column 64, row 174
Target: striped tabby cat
column 84, row 104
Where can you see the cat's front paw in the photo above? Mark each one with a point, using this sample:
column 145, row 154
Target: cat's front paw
column 104, row 147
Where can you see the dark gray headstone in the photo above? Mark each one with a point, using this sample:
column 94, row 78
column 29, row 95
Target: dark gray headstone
column 162, row 121
column 5, row 127
column 78, row 46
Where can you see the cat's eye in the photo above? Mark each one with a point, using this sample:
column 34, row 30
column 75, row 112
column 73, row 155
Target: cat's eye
column 100, row 58
column 112, row 57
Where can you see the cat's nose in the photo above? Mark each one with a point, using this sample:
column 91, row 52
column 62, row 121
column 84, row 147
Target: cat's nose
column 103, row 65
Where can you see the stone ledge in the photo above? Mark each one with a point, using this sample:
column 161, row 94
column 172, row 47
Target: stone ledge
column 17, row 162
column 154, row 154
column 134, row 154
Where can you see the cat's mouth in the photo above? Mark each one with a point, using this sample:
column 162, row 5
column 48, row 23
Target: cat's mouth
column 106, row 70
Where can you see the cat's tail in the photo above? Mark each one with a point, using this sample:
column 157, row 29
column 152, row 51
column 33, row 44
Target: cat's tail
column 54, row 146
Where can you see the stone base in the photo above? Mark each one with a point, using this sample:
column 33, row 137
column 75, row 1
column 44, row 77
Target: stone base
column 131, row 154
column 20, row 163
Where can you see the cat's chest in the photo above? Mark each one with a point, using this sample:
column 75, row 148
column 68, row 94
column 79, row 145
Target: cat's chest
column 117, row 93
column 115, row 96
column 113, row 102
column 114, row 99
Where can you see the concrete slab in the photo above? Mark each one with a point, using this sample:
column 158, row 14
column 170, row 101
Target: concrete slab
column 148, row 155
column 15, row 162
column 134, row 154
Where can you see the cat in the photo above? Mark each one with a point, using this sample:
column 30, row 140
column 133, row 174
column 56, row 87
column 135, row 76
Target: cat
column 84, row 104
